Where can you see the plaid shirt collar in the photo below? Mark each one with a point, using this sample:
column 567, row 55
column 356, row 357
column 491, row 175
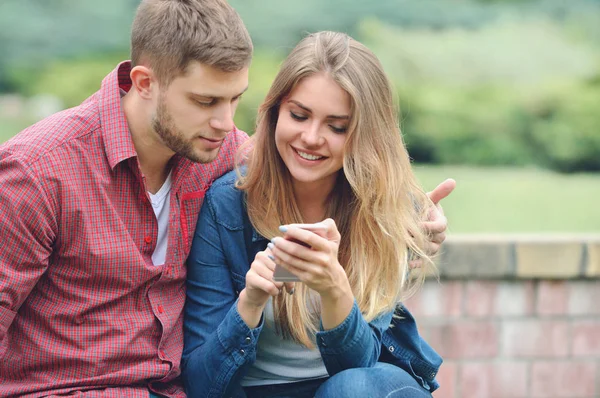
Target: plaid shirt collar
column 118, row 144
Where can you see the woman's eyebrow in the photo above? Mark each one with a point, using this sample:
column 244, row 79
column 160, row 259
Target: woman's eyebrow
column 307, row 109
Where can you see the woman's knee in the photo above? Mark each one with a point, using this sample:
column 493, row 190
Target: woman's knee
column 382, row 380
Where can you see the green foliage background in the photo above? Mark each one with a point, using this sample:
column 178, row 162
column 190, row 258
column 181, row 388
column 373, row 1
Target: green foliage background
column 479, row 82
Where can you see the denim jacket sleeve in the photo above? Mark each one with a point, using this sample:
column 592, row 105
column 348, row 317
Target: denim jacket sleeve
column 217, row 342
column 354, row 343
column 404, row 347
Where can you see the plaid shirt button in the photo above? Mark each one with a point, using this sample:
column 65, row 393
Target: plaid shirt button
column 148, row 239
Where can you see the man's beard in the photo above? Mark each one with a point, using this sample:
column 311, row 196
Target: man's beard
column 164, row 126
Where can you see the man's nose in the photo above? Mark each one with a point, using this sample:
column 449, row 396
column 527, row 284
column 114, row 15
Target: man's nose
column 222, row 120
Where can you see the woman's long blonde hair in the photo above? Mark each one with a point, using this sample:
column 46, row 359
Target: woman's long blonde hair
column 377, row 203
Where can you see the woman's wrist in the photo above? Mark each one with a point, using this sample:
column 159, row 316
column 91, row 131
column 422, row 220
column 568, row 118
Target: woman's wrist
column 340, row 289
column 249, row 311
column 336, row 305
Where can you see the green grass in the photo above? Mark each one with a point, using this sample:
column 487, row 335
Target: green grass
column 505, row 200
column 497, row 200
column 11, row 126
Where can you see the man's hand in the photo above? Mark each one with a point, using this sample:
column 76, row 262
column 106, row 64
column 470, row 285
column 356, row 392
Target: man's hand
column 436, row 223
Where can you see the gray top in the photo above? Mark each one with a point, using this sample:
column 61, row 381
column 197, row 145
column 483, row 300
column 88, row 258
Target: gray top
column 282, row 361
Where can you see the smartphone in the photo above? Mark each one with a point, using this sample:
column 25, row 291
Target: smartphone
column 283, row 275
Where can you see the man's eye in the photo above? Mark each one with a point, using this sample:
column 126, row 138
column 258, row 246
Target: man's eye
column 205, row 103
column 297, row 117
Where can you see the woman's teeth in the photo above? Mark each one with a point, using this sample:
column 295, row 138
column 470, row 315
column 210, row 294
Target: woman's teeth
column 308, row 156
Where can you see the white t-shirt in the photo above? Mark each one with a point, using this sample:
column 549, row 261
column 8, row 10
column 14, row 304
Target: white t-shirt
column 160, row 204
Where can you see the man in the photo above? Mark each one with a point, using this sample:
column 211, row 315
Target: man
column 98, row 204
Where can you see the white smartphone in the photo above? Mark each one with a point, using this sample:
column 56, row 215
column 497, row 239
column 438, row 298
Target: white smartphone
column 318, row 226
column 283, row 275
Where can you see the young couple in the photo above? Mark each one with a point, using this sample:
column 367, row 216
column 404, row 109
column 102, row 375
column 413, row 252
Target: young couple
column 100, row 202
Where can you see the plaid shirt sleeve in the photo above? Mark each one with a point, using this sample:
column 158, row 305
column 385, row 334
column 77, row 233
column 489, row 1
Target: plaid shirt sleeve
column 27, row 228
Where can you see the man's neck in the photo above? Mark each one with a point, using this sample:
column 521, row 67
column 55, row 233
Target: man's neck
column 155, row 178
column 153, row 156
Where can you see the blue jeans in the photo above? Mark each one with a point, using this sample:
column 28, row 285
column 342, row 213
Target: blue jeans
column 383, row 380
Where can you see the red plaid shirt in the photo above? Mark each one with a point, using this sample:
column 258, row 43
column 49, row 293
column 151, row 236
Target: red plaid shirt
column 82, row 308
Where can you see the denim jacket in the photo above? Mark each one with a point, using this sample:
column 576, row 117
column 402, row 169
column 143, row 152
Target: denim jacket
column 219, row 347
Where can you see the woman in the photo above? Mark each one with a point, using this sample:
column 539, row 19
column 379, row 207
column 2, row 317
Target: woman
column 327, row 150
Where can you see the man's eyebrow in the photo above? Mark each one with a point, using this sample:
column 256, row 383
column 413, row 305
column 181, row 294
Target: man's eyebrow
column 216, row 97
column 339, row 117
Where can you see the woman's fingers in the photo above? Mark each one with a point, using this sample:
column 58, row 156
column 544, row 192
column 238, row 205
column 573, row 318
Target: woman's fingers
column 265, row 258
column 309, row 251
column 261, row 275
column 317, row 239
column 295, row 255
column 290, row 287
column 254, row 281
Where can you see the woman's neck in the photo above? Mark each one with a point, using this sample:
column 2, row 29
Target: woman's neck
column 312, row 200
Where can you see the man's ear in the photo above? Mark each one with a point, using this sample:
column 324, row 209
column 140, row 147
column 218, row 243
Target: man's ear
column 143, row 81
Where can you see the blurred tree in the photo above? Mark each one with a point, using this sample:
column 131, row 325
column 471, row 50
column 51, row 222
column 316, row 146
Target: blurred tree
column 34, row 32
column 566, row 131
column 479, row 81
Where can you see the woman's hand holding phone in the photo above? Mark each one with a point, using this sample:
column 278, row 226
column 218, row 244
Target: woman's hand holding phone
column 315, row 262
column 259, row 287
column 310, row 253
column 282, row 274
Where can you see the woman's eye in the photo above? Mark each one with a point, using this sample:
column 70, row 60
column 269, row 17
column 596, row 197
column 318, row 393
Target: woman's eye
column 297, row 117
column 338, row 130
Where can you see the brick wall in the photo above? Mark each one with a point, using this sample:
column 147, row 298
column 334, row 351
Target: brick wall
column 515, row 316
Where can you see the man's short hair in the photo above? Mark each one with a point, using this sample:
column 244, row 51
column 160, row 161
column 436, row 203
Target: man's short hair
column 168, row 34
